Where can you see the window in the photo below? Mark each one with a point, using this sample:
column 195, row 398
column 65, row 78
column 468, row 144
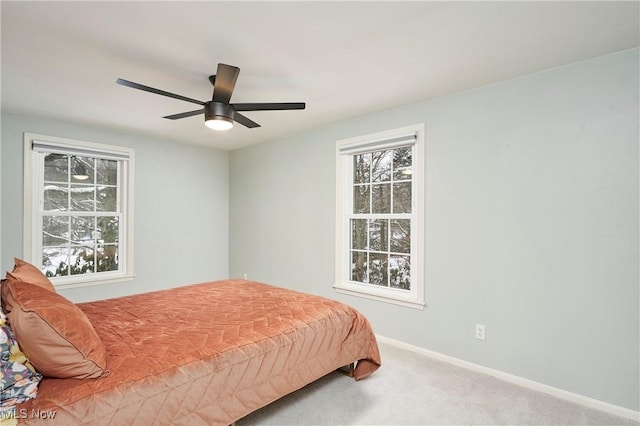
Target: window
column 78, row 210
column 380, row 216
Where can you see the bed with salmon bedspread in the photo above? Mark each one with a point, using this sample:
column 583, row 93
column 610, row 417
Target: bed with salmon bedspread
column 207, row 353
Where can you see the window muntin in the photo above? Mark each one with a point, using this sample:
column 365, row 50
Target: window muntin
column 380, row 216
column 79, row 197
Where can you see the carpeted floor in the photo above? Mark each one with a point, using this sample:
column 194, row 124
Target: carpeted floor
column 411, row 389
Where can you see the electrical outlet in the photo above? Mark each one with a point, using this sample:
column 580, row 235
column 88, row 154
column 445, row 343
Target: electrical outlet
column 480, row 332
column 245, row 276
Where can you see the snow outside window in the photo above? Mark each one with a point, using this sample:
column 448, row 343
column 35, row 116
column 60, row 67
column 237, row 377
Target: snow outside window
column 78, row 199
column 379, row 235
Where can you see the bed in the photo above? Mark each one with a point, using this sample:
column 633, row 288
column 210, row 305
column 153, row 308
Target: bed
column 207, row 353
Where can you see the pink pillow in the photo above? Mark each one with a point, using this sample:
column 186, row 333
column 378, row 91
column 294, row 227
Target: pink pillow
column 54, row 334
column 23, row 271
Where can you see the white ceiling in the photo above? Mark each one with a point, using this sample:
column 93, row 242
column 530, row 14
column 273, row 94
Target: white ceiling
column 344, row 59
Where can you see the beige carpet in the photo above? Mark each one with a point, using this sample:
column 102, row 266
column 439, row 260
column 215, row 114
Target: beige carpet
column 411, row 389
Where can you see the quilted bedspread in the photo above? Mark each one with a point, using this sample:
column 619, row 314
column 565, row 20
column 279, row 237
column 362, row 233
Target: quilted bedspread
column 207, row 353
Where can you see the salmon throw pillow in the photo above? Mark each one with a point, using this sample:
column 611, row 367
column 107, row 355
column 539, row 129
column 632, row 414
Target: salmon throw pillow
column 26, row 272
column 54, row 334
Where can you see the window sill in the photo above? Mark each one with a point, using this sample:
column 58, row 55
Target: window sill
column 61, row 284
column 401, row 301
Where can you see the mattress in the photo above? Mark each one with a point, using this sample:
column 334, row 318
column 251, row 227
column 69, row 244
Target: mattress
column 207, row 353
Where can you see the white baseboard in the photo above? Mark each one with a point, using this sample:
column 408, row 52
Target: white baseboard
column 521, row 381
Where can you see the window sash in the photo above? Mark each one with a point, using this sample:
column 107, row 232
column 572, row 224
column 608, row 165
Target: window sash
column 70, row 214
column 372, row 148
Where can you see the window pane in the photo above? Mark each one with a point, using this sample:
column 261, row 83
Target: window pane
column 107, row 200
column 381, row 195
column 361, row 199
column 400, row 272
column 107, row 258
column 378, row 269
column 82, row 169
column 106, row 172
column 381, row 166
column 55, row 197
column 82, row 229
column 359, row 266
column 82, row 198
column 56, row 168
column 359, row 234
column 55, row 230
column 82, row 261
column 55, row 261
column 361, row 166
column 378, row 235
column 402, row 163
column 107, row 229
column 401, row 236
column 402, row 197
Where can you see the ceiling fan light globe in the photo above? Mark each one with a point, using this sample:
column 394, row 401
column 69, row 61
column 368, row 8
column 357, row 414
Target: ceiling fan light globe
column 219, row 123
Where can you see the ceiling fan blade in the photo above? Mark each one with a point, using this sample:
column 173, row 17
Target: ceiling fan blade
column 269, row 106
column 239, row 118
column 185, row 114
column 156, row 91
column 224, row 82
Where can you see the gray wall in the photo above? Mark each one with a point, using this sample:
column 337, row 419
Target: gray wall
column 532, row 224
column 181, row 206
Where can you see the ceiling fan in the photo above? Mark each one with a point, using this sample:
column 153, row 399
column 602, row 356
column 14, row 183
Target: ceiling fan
column 219, row 114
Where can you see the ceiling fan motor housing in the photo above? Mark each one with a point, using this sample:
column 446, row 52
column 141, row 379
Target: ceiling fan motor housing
column 214, row 110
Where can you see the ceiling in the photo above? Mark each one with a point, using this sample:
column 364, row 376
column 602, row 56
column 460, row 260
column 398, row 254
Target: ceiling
column 344, row 59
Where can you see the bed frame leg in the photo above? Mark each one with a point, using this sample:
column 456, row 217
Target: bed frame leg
column 348, row 370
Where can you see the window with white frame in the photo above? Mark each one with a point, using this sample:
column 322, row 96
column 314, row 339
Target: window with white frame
column 380, row 216
column 78, row 210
